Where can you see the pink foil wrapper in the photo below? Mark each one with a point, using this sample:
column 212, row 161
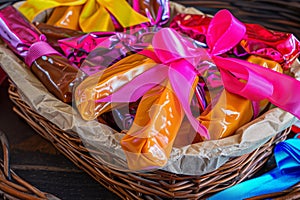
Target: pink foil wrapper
column 103, row 48
column 77, row 48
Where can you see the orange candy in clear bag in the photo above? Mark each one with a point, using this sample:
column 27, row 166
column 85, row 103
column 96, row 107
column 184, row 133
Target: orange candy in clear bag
column 232, row 111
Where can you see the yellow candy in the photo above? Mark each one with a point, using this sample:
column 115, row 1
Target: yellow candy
column 94, row 14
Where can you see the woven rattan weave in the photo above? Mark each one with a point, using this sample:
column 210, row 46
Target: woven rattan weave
column 11, row 185
column 150, row 185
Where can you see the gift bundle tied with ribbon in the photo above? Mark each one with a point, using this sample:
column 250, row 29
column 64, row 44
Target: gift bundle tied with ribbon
column 164, row 77
column 49, row 66
column 99, row 15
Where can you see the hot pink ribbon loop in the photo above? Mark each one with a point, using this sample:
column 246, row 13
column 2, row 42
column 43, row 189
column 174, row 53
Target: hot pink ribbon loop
column 182, row 58
column 138, row 87
column 169, row 46
column 224, row 32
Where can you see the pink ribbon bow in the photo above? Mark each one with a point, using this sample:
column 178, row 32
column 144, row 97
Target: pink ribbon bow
column 177, row 66
column 259, row 83
column 179, row 58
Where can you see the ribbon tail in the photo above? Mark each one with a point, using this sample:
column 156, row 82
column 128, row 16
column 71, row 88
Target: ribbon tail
column 136, row 88
column 91, row 13
column 183, row 81
column 261, row 83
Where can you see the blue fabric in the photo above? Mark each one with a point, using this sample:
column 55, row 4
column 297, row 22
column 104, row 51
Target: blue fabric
column 285, row 175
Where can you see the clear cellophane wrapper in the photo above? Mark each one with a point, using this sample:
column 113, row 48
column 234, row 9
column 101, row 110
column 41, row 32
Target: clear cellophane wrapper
column 193, row 159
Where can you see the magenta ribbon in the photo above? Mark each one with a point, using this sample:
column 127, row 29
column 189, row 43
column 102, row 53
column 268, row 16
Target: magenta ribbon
column 39, row 49
column 180, row 58
column 260, row 83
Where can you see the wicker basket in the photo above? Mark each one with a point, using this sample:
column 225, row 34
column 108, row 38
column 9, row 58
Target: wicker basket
column 161, row 184
column 11, row 185
column 151, row 185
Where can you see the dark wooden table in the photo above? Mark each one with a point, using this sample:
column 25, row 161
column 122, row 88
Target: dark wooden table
column 39, row 163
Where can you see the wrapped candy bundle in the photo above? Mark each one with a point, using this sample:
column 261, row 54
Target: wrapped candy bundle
column 164, row 76
column 114, row 15
column 52, row 69
column 111, row 47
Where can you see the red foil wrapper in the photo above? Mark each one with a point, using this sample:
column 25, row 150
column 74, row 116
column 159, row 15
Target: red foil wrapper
column 278, row 46
column 52, row 69
column 194, row 26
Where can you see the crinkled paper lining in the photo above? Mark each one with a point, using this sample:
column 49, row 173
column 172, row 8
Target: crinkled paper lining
column 195, row 159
